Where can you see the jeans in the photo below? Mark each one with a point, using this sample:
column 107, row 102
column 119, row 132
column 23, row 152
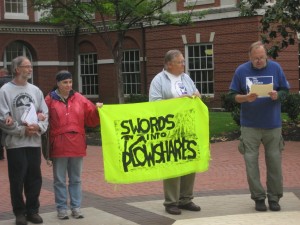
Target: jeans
column 24, row 171
column 73, row 167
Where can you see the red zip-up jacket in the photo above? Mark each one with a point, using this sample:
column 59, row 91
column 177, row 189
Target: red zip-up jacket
column 67, row 121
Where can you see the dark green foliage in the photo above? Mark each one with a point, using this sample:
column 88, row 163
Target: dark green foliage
column 206, row 100
column 291, row 105
column 231, row 106
column 227, row 103
column 235, row 114
column 279, row 23
column 134, row 98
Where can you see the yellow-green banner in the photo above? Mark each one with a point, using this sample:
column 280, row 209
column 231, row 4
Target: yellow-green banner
column 154, row 140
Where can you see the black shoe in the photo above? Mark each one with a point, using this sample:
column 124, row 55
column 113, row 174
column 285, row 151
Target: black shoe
column 173, row 209
column 274, row 206
column 34, row 218
column 190, row 206
column 21, row 219
column 260, row 205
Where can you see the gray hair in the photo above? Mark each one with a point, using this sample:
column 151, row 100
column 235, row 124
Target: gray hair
column 16, row 62
column 170, row 55
column 256, row 45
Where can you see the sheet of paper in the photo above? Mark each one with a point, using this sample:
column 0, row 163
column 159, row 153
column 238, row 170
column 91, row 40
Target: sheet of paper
column 261, row 90
column 30, row 116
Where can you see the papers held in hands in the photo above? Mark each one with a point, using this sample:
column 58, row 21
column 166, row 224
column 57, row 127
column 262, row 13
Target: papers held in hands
column 261, row 90
column 29, row 116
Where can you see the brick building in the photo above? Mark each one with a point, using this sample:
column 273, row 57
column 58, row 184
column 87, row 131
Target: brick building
column 213, row 47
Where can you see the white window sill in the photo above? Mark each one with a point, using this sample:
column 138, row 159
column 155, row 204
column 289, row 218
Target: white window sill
column 198, row 2
column 16, row 16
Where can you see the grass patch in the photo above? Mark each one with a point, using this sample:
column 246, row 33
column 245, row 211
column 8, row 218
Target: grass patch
column 220, row 123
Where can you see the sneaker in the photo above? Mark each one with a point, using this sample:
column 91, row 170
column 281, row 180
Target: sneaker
column 77, row 214
column 62, row 214
column 274, row 206
column 34, row 218
column 21, row 219
column 260, row 205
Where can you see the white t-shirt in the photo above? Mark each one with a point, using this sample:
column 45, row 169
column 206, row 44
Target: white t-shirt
column 177, row 87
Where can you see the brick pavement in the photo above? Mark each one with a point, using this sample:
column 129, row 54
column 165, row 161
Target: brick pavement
column 222, row 192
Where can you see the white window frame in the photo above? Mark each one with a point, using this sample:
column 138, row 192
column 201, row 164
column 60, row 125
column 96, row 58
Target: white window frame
column 198, row 2
column 17, row 15
column 85, row 72
column 201, row 68
column 132, row 81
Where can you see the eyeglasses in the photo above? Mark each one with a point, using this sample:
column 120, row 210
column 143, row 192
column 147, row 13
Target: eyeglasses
column 259, row 59
column 182, row 62
column 27, row 66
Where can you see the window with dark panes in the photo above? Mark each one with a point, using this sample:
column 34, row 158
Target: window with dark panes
column 89, row 74
column 131, row 72
column 200, row 67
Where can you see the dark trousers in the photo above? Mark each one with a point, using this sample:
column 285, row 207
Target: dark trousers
column 1, row 147
column 1, row 152
column 24, row 171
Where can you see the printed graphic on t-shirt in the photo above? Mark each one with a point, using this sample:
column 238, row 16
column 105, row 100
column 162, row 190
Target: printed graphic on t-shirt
column 257, row 80
column 180, row 88
column 22, row 99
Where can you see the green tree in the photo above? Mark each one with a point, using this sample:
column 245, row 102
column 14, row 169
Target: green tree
column 280, row 21
column 115, row 16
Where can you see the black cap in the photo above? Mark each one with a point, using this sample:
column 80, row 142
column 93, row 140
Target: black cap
column 63, row 75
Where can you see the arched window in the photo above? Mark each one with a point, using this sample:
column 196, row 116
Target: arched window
column 13, row 50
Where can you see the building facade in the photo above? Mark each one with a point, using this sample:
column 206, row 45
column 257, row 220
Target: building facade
column 213, row 47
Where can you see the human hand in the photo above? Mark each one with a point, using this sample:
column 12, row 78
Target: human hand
column 41, row 116
column 9, row 121
column 31, row 130
column 273, row 94
column 49, row 162
column 251, row 97
column 99, row 104
column 197, row 94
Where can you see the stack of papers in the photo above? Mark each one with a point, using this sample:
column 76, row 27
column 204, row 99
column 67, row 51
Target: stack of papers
column 262, row 90
column 29, row 116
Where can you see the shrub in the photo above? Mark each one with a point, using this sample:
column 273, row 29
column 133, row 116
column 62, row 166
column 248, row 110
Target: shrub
column 206, row 100
column 231, row 106
column 291, row 105
column 227, row 103
column 135, row 98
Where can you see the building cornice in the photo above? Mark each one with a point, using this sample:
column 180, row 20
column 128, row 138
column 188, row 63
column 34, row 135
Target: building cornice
column 30, row 29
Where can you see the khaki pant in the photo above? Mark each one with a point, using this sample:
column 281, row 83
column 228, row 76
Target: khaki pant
column 273, row 143
column 179, row 190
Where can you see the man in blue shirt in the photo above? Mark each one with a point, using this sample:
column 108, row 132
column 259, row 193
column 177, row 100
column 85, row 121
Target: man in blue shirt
column 260, row 121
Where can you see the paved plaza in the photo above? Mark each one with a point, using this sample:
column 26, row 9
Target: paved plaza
column 222, row 192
